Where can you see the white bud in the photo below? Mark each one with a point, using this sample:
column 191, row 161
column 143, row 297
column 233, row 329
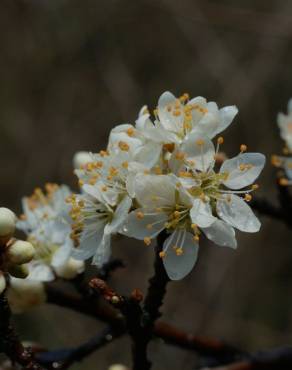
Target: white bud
column 2, row 283
column 7, row 222
column 24, row 294
column 118, row 367
column 81, row 158
column 20, row 252
column 70, row 269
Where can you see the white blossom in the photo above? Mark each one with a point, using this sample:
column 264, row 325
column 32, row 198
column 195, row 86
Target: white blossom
column 285, row 125
column 46, row 222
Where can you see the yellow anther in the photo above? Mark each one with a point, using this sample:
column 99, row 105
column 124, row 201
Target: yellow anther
column 169, row 147
column 243, row 148
column 157, row 170
column 283, row 182
column 184, row 174
column 176, row 214
column 196, row 238
column 125, row 165
column 200, row 142
column 149, row 226
column 147, row 241
column 140, row 215
column 255, row 186
column 124, row 146
column 93, row 180
column 178, row 251
column 103, row 153
column 81, row 182
column 162, row 254
column 177, row 113
column 276, row 161
column 104, row 188
column 220, row 140
column 180, row 156
column 247, row 197
column 130, row 131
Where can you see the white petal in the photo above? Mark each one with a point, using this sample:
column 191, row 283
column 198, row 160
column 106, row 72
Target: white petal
column 148, row 154
column 238, row 178
column 221, row 233
column 227, row 115
column 200, row 150
column 89, row 242
column 149, row 226
column 201, row 213
column 177, row 267
column 143, row 122
column 93, row 191
column 208, row 125
column 238, row 214
column 40, row 272
column 62, row 255
column 155, row 191
column 168, row 120
column 103, row 252
column 120, row 215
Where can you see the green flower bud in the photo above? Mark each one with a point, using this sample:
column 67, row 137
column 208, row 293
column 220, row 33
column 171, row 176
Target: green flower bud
column 2, row 283
column 20, row 252
column 18, row 271
column 7, row 222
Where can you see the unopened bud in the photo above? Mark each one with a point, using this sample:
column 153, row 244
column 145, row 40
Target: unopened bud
column 70, row 270
column 118, row 367
column 20, row 252
column 18, row 271
column 81, row 159
column 2, row 283
column 7, row 222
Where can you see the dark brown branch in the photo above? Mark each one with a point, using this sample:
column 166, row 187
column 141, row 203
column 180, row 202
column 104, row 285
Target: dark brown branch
column 170, row 334
column 10, row 344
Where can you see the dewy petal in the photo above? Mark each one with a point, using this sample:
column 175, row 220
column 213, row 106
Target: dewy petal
column 221, row 234
column 168, row 119
column 241, row 177
column 201, row 213
column 177, row 267
column 120, row 215
column 200, row 150
column 234, row 210
column 148, row 225
column 226, row 115
column 155, row 190
column 89, row 241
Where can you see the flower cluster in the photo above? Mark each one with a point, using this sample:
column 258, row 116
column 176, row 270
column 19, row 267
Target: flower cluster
column 285, row 125
column 46, row 222
column 14, row 254
column 164, row 175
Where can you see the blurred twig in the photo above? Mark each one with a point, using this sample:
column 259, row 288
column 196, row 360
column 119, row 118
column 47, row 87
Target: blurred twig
column 10, row 344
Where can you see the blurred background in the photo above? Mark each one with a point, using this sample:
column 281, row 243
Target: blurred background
column 70, row 70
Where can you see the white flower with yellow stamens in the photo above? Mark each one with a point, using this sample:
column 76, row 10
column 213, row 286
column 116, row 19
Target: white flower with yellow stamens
column 46, row 222
column 96, row 220
column 165, row 205
column 220, row 196
column 182, row 116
